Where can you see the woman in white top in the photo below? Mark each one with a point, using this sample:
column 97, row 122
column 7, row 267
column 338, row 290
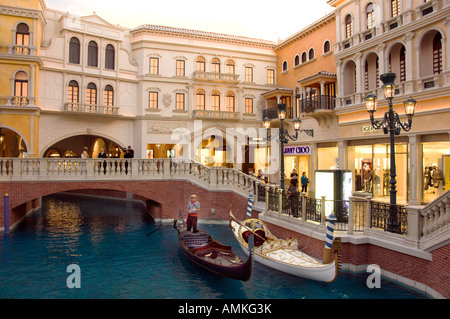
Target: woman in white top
column 85, row 153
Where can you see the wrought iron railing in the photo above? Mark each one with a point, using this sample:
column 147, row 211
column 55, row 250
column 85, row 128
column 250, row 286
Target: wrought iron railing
column 393, row 218
column 272, row 113
column 318, row 102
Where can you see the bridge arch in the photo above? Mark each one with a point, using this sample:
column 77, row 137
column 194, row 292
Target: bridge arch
column 164, row 198
column 73, row 144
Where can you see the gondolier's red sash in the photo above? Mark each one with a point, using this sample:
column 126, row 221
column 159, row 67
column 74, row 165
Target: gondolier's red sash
column 193, row 214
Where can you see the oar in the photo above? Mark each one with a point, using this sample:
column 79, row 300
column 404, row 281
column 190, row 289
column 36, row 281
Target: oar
column 166, row 224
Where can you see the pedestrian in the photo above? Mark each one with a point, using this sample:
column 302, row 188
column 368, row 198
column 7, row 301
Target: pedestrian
column 85, row 153
column 193, row 209
column 260, row 175
column 293, row 198
column 304, row 181
column 102, row 154
column 129, row 153
column 294, row 177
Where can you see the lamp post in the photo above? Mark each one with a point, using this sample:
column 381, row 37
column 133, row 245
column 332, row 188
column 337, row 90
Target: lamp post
column 391, row 125
column 284, row 135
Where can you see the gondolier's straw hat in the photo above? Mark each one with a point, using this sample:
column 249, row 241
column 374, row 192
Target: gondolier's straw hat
column 193, row 196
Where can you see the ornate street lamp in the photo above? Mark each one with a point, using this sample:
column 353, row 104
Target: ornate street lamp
column 391, row 124
column 284, row 135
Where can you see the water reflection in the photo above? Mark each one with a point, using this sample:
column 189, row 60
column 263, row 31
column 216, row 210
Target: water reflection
column 62, row 227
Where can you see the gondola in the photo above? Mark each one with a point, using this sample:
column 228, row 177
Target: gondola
column 203, row 250
column 281, row 254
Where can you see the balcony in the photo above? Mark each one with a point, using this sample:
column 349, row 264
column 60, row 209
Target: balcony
column 91, row 108
column 272, row 113
column 216, row 77
column 319, row 107
column 215, row 115
column 20, row 101
column 21, row 49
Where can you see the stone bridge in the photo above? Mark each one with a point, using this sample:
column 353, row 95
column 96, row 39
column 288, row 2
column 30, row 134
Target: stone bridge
column 165, row 185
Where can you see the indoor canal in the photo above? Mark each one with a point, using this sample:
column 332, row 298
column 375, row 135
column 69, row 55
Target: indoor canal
column 104, row 241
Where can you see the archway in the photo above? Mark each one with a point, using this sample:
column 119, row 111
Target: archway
column 11, row 143
column 73, row 147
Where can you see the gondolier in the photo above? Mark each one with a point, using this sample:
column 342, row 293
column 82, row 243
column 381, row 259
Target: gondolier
column 193, row 209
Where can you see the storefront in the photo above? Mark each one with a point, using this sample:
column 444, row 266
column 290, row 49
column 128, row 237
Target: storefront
column 297, row 157
column 370, row 164
column 436, row 169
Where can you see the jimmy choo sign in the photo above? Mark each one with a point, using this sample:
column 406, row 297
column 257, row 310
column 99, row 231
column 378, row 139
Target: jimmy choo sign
column 297, row 150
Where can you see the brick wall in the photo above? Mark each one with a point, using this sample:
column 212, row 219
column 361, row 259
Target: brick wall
column 434, row 273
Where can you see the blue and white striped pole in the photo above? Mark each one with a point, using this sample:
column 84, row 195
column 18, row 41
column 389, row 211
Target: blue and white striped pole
column 249, row 206
column 331, row 220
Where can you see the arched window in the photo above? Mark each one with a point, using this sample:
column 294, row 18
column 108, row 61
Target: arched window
column 348, row 26
column 91, row 94
column 200, row 64
column 311, row 54
column 22, row 39
column 73, row 92
column 229, row 67
column 326, row 47
column 296, row 60
column 304, row 57
column 370, row 16
column 74, row 51
column 215, row 100
column 215, row 65
column 110, row 56
column 285, row 66
column 437, row 53
column 20, row 89
column 93, row 54
column 229, row 102
column 200, row 99
column 108, row 96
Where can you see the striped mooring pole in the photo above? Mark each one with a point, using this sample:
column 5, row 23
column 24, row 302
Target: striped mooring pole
column 249, row 206
column 331, row 220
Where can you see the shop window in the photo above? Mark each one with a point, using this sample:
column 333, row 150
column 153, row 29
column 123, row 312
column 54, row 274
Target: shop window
column 436, row 170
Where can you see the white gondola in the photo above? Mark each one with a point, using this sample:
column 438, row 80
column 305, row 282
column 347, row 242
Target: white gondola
column 281, row 254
